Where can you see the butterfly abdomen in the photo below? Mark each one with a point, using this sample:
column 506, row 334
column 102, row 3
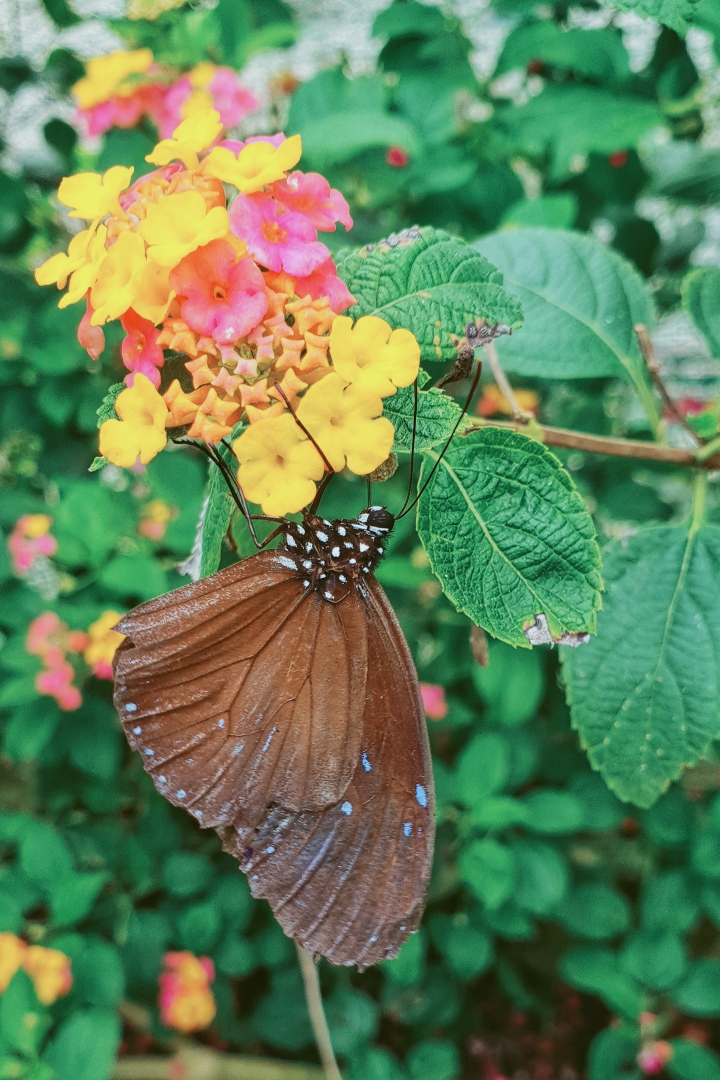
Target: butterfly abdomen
column 333, row 557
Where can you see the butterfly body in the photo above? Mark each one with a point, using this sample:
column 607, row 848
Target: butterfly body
column 278, row 703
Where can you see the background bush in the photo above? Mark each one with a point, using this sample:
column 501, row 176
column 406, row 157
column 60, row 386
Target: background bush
column 554, row 906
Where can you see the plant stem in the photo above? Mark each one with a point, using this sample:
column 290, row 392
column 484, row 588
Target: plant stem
column 602, row 444
column 318, row 1020
column 502, row 380
column 653, row 365
column 698, row 507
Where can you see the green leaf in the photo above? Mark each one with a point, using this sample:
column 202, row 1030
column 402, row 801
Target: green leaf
column 98, row 463
column 434, row 1059
column 488, row 867
column 186, row 874
column 131, row 576
column 613, row 1054
column 429, row 282
column 353, row 1019
column 692, row 1062
column 437, row 415
column 644, row 692
column 199, row 927
column 509, row 536
column 512, row 684
column 408, row 967
column 669, row 902
column 30, row 729
column 580, row 302
column 677, row 14
column 467, row 950
column 701, row 299
column 541, row 878
column 555, row 813
column 44, row 857
column 598, row 971
column 595, row 911
column 567, row 121
column 656, row 958
column 98, row 977
column 482, row 768
column 597, row 54
column 699, row 992
column 107, row 409
column 339, row 137
column 281, row 1017
column 22, row 1019
column 86, row 1045
column 72, row 898
column 548, row 212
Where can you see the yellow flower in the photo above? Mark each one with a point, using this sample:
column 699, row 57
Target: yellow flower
column 278, row 465
column 12, row 950
column 50, row 972
column 103, row 75
column 154, row 295
column 195, row 133
column 179, row 224
column 372, row 355
column 104, row 641
column 346, row 422
column 85, row 276
column 256, row 165
column 202, row 75
column 57, row 269
column 91, row 195
column 120, row 278
column 37, row 525
column 140, row 429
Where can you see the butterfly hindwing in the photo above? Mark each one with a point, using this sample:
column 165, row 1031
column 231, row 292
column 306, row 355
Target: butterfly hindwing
column 349, row 881
column 244, row 690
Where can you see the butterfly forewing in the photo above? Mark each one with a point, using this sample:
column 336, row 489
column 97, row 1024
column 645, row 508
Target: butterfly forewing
column 349, row 882
column 243, row 690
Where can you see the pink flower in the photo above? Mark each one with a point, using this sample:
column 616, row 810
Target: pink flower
column 39, row 630
column 433, row 699
column 310, row 194
column 278, row 241
column 325, row 282
column 92, row 338
column 140, row 350
column 221, row 296
column 29, row 540
column 397, row 158
column 57, row 683
column 654, row 1056
column 230, row 98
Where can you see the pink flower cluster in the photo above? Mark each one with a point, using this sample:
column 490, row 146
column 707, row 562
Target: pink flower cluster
column 434, row 701
column 186, row 1000
column 165, row 99
column 30, row 540
column 51, row 639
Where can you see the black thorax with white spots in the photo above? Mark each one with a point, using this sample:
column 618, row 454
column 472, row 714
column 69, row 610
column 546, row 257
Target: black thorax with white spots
column 332, row 557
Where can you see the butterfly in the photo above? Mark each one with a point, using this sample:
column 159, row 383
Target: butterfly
column 277, row 701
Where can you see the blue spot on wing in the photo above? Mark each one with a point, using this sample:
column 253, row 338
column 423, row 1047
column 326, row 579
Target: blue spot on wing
column 366, row 762
column 346, row 808
column 421, row 795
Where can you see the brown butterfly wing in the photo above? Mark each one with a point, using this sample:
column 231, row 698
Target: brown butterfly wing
column 349, row 881
column 245, row 690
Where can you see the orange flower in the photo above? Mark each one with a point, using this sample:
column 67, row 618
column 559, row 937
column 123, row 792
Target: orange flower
column 494, row 401
column 186, row 1000
column 12, row 950
column 50, row 972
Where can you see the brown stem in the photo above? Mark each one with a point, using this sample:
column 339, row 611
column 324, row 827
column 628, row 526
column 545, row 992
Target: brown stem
column 501, row 379
column 653, row 365
column 320, row 1028
column 198, row 1063
column 602, row 444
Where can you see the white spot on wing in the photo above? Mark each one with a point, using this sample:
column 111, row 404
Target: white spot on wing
column 346, row 808
column 149, row 753
column 366, row 762
column 323, row 537
column 268, row 740
column 287, row 562
column 221, row 723
column 290, row 541
column 420, row 795
column 137, row 730
column 180, row 794
column 130, row 707
column 335, row 552
column 407, row 828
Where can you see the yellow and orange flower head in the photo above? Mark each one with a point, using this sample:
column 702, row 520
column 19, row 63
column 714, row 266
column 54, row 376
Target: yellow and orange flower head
column 103, row 644
column 140, row 431
column 12, row 952
column 119, row 278
column 278, row 465
column 371, row 355
column 179, row 224
column 186, row 1000
column 92, row 196
column 346, row 422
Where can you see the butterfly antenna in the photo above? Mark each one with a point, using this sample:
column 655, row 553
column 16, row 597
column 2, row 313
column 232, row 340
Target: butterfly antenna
column 330, row 471
column 412, row 449
column 466, row 406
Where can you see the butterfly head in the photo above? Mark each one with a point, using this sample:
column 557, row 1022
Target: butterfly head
column 377, row 520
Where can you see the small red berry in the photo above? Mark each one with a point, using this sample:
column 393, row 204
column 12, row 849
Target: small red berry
column 618, row 159
column 397, row 157
column 534, row 67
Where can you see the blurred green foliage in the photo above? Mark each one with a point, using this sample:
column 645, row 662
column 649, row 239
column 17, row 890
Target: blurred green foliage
column 553, row 906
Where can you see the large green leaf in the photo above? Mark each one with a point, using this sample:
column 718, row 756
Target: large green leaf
column 596, row 54
column 644, row 694
column 701, row 299
column 86, row 1045
column 580, row 302
column 437, row 415
column 570, row 121
column 430, row 282
column 336, row 138
column 509, row 536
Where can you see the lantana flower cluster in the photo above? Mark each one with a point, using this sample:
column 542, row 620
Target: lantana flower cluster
column 29, row 541
column 186, row 1000
column 250, row 301
column 49, row 969
column 120, row 89
column 53, row 641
